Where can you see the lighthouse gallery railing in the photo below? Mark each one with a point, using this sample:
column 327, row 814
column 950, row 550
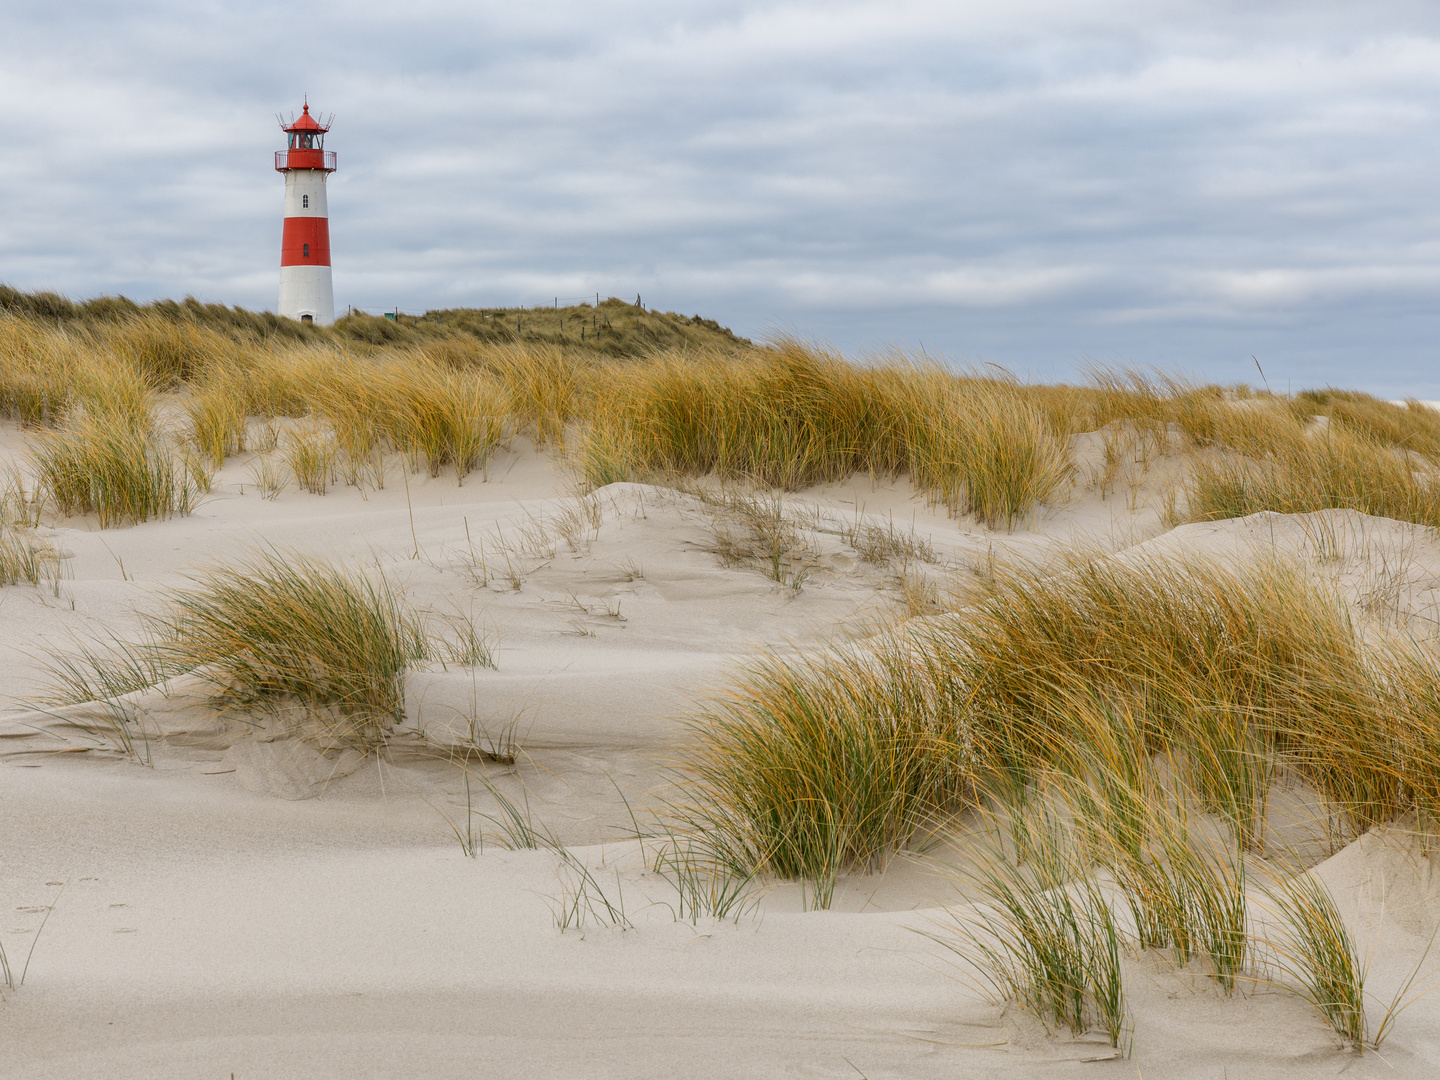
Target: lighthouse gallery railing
column 305, row 159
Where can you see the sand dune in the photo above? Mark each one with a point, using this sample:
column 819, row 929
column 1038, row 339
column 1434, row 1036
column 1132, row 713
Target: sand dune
column 252, row 903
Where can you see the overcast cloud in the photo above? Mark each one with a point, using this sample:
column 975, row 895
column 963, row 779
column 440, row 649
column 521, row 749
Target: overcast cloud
column 1030, row 183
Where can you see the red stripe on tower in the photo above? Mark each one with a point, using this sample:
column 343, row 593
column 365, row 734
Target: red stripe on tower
column 306, row 242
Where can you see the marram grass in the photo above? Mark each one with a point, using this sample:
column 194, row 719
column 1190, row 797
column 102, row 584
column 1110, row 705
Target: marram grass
column 451, row 419
column 311, row 454
column 216, row 422
column 834, row 761
column 288, row 628
column 24, row 559
column 1156, row 701
column 276, row 633
column 798, row 416
column 445, row 392
column 121, row 473
column 1043, row 928
column 813, row 767
column 1044, row 935
column 1315, row 950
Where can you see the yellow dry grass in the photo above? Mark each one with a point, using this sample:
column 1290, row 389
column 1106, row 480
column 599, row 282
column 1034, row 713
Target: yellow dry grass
column 786, row 416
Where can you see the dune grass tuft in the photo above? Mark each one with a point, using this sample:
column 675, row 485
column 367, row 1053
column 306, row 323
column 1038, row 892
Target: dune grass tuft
column 813, row 767
column 797, row 416
column 1318, row 955
column 271, row 633
column 289, row 628
column 1126, row 713
column 164, row 351
column 820, row 764
column 216, row 416
column 543, row 389
column 25, row 559
column 38, row 371
column 120, row 473
column 1336, row 468
column 310, row 453
column 276, row 633
column 451, row 419
column 1044, row 936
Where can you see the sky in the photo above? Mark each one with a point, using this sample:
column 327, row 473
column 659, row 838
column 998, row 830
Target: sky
column 1237, row 192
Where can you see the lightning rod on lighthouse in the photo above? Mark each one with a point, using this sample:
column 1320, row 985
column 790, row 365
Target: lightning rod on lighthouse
column 306, row 292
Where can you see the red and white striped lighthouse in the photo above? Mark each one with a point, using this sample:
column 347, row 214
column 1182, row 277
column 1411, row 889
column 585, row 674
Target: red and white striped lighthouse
column 305, row 289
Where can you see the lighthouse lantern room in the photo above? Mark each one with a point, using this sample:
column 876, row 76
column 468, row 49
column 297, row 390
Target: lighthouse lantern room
column 306, row 292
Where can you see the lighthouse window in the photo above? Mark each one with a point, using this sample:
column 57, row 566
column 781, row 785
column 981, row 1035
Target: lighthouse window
column 307, row 251
column 305, row 201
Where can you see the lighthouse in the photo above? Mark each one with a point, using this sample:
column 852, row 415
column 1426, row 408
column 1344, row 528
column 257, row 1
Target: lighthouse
column 305, row 289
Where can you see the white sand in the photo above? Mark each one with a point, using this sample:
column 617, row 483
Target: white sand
column 249, row 905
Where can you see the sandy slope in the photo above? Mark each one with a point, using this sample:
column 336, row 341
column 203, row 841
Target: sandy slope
column 250, row 905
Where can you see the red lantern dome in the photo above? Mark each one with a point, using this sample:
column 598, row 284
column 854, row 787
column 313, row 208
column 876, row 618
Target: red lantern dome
column 307, row 144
